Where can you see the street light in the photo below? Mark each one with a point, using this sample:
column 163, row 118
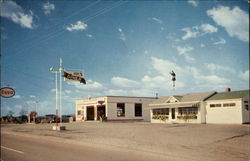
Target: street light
column 60, row 70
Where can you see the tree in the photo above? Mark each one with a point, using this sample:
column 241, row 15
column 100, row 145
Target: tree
column 10, row 113
column 9, row 116
column 22, row 112
column 33, row 115
column 23, row 115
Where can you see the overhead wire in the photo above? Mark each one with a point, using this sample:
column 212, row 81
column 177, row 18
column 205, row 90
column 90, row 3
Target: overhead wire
column 61, row 21
column 59, row 32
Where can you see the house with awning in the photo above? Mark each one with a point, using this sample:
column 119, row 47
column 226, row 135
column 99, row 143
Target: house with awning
column 180, row 108
column 211, row 107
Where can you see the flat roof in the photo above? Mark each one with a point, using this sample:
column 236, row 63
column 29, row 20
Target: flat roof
column 122, row 97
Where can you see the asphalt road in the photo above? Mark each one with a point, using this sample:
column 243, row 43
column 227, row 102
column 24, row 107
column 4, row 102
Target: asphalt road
column 23, row 148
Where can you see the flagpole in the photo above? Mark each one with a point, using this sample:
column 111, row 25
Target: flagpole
column 60, row 71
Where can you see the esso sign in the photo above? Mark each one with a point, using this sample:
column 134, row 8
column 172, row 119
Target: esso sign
column 7, row 92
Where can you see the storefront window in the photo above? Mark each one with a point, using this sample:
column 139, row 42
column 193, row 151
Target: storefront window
column 120, row 109
column 187, row 110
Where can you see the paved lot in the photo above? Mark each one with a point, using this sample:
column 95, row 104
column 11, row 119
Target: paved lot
column 205, row 142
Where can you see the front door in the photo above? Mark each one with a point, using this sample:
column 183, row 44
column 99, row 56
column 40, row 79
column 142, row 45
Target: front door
column 101, row 112
column 173, row 113
column 90, row 113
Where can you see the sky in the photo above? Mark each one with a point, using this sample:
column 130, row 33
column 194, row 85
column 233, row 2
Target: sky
column 124, row 48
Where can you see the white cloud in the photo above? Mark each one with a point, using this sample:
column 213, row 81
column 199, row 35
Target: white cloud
column 164, row 66
column 186, row 75
column 189, row 58
column 244, row 75
column 202, row 45
column 123, row 82
column 214, row 79
column 183, row 50
column 48, row 7
column 90, row 85
column 215, row 67
column 122, row 35
column 156, row 20
column 53, row 90
column 189, row 33
column 79, row 25
column 221, row 41
column 193, row 2
column 18, row 107
column 17, row 96
column 14, row 12
column 68, row 91
column 32, row 96
column 235, row 21
column 116, row 92
column 196, row 31
column 207, row 28
column 89, row 35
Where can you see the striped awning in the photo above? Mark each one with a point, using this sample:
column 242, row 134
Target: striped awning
column 174, row 105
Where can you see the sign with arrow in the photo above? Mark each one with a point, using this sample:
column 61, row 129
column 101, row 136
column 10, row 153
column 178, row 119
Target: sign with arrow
column 74, row 76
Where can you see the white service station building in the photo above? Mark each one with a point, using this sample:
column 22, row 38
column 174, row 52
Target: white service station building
column 114, row 108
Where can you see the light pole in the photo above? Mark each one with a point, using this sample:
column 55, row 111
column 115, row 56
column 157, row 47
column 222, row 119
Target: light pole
column 56, row 72
column 34, row 117
column 60, row 70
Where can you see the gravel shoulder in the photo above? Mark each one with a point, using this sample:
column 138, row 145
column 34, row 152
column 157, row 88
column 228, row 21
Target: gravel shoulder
column 207, row 142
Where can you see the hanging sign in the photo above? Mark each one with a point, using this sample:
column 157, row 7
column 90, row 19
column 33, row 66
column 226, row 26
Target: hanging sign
column 7, row 92
column 74, row 76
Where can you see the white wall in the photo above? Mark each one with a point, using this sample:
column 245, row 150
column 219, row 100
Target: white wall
column 245, row 113
column 111, row 107
column 129, row 107
column 224, row 114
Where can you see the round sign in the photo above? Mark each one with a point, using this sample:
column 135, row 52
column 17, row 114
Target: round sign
column 7, row 92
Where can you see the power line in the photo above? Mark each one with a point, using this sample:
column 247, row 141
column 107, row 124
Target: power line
column 61, row 21
column 61, row 31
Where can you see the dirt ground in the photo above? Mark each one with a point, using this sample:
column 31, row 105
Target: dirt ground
column 185, row 142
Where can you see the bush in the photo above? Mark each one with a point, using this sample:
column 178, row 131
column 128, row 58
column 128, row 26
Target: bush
column 160, row 117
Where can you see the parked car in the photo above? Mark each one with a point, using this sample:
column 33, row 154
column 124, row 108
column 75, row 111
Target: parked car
column 51, row 118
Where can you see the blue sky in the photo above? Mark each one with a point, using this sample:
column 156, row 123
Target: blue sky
column 124, row 48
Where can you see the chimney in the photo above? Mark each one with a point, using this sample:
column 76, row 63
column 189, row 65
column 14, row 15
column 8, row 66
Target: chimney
column 228, row 90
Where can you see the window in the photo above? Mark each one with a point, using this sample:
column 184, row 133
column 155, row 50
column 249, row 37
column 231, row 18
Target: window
column 138, row 109
column 187, row 110
column 246, row 107
column 120, row 109
column 215, row 105
column 79, row 112
column 228, row 104
column 164, row 111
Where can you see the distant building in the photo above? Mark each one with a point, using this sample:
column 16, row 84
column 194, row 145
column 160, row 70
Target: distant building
column 210, row 107
column 113, row 108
